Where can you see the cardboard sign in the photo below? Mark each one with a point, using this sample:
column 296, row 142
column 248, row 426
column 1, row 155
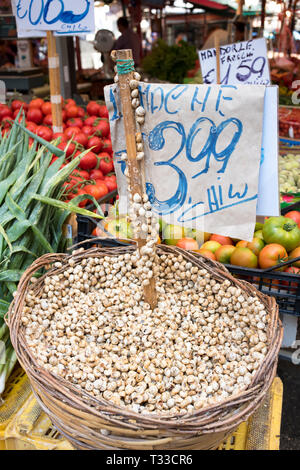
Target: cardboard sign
column 242, row 63
column 202, row 153
column 65, row 17
column 2, row 92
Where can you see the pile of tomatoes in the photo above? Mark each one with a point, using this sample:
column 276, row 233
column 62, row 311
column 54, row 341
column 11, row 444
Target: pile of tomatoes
column 83, row 129
column 274, row 242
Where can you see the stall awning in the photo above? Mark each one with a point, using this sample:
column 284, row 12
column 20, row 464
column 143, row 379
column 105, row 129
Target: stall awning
column 209, row 5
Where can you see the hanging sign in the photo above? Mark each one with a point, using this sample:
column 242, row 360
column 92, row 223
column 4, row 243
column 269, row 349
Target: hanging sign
column 242, row 63
column 65, row 17
column 202, row 153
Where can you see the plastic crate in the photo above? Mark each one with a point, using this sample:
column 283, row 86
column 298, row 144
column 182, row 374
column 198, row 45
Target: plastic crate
column 31, row 429
column 16, row 392
column 285, row 287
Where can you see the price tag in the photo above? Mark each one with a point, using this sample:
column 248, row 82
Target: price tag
column 65, row 17
column 202, row 148
column 242, row 63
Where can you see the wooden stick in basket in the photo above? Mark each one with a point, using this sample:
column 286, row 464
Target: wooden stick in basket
column 54, row 80
column 135, row 169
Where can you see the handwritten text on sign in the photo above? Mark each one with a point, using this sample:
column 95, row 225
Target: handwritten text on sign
column 202, row 153
column 240, row 63
column 62, row 16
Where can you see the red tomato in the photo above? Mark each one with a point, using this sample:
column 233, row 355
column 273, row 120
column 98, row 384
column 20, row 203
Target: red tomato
column 8, row 122
column 64, row 115
column 48, row 120
column 295, row 215
column 36, row 103
column 187, row 244
column 106, row 165
column 93, row 108
column 207, row 253
column 271, row 255
column 75, row 122
column 103, row 112
column 96, row 175
column 68, row 102
column 81, row 139
column 90, row 121
column 107, row 147
column 88, row 130
column 5, row 111
column 72, row 111
column 34, row 114
column 111, row 183
column 44, row 132
column 31, row 126
column 295, row 254
column 83, row 174
column 70, row 132
column 243, row 256
column 95, row 142
column 221, row 239
column 85, row 201
column 88, row 161
column 80, row 112
column 17, row 104
column 46, row 108
column 69, row 148
column 102, row 128
column 56, row 135
column 96, row 190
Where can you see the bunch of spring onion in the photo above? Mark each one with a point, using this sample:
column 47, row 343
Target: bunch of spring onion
column 31, row 215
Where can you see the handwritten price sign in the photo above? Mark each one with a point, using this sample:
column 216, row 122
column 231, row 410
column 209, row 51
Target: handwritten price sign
column 240, row 63
column 202, row 153
column 63, row 16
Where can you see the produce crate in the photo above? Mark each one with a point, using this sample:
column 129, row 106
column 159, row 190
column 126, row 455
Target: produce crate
column 16, row 392
column 285, row 287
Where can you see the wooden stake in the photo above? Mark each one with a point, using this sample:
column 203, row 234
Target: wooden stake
column 134, row 167
column 54, row 80
column 217, row 47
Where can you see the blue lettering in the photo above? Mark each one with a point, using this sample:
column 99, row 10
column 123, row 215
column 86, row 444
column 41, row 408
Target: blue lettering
column 174, row 97
column 153, row 108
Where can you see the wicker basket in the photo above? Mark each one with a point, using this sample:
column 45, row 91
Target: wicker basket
column 82, row 418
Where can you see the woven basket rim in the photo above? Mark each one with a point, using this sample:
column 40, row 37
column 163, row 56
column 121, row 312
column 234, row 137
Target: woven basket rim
column 57, row 391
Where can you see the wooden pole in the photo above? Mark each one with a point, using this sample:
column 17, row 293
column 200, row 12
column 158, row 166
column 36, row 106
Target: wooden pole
column 134, row 166
column 54, row 80
column 217, row 47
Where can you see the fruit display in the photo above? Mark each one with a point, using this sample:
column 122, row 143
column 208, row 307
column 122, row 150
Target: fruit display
column 83, row 129
column 289, row 122
column 289, row 173
column 275, row 241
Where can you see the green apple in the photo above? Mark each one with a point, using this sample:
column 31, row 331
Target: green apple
column 172, row 233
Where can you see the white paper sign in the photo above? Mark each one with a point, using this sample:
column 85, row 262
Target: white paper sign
column 241, row 63
column 65, row 17
column 268, row 203
column 202, row 153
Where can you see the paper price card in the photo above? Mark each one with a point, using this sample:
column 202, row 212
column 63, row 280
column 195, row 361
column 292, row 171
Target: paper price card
column 241, row 63
column 202, row 153
column 63, row 16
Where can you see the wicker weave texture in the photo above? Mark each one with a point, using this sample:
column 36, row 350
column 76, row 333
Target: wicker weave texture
column 81, row 417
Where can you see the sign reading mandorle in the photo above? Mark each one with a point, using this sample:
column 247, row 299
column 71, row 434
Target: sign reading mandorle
column 241, row 63
column 202, row 153
column 62, row 16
